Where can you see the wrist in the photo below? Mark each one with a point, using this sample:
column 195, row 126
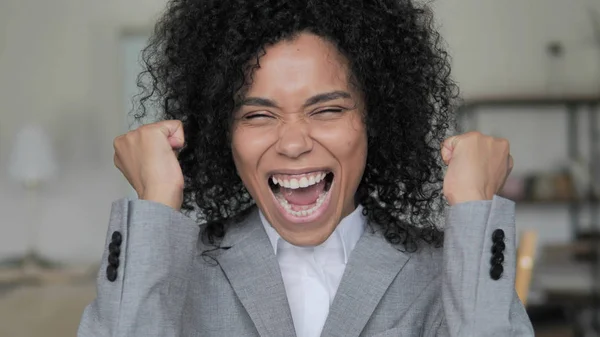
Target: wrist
column 166, row 196
column 467, row 196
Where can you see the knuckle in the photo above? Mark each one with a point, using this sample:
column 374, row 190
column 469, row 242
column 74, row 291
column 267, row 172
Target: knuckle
column 473, row 136
column 149, row 127
column 143, row 129
column 142, row 132
column 153, row 129
column 128, row 137
column 117, row 141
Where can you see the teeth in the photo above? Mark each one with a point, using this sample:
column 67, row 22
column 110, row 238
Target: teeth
column 307, row 210
column 305, row 181
column 294, row 184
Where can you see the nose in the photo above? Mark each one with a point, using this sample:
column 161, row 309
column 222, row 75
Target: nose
column 294, row 140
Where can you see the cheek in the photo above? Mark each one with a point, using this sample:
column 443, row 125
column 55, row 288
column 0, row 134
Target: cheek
column 248, row 146
column 355, row 152
column 347, row 142
column 242, row 154
column 356, row 141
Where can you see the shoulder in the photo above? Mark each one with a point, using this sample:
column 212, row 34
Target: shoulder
column 419, row 276
column 419, row 265
column 428, row 260
column 232, row 231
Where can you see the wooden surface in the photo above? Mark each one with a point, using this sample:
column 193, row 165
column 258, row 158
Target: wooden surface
column 44, row 311
column 44, row 302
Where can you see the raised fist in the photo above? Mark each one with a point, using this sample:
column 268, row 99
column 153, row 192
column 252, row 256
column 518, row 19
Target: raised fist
column 147, row 157
column 478, row 166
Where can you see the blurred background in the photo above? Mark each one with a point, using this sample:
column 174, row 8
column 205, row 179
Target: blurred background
column 529, row 70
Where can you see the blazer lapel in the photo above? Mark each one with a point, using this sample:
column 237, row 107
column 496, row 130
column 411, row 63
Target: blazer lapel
column 253, row 271
column 372, row 266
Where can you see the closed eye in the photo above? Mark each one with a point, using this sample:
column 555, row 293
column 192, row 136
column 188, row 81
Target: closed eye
column 257, row 116
column 329, row 110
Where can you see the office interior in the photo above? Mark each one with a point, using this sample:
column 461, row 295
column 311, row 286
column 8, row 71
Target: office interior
column 528, row 70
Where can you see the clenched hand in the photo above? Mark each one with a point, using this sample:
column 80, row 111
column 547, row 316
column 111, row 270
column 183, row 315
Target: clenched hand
column 478, row 166
column 147, row 158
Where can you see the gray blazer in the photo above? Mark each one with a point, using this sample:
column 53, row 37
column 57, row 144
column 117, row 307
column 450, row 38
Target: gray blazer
column 156, row 283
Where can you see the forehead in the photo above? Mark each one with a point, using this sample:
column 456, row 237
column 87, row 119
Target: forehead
column 305, row 65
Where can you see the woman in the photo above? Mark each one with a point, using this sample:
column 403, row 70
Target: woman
column 305, row 136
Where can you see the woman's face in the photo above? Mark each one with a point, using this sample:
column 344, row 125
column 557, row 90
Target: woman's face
column 299, row 142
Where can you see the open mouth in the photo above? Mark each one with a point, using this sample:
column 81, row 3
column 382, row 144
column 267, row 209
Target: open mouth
column 302, row 195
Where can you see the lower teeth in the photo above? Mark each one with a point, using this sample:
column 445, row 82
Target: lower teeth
column 308, row 210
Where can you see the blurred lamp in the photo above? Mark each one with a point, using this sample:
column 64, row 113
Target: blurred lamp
column 32, row 160
column 32, row 163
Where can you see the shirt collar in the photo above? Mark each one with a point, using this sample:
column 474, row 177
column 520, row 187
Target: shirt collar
column 349, row 231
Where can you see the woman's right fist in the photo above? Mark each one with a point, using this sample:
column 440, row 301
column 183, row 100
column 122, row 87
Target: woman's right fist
column 147, row 157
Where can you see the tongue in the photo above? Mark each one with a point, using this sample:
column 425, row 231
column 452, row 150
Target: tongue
column 303, row 196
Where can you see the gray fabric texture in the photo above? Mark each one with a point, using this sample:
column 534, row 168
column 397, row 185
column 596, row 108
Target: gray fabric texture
column 170, row 284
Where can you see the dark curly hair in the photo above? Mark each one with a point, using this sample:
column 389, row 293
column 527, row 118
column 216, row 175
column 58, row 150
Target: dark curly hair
column 202, row 53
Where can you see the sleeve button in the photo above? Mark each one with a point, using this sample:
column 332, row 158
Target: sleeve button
column 498, row 235
column 114, row 249
column 498, row 247
column 113, row 260
column 496, row 272
column 497, row 258
column 111, row 273
column 117, row 238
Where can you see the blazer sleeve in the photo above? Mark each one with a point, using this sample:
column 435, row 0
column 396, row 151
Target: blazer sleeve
column 143, row 277
column 478, row 278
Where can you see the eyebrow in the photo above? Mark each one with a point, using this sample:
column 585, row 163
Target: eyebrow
column 320, row 98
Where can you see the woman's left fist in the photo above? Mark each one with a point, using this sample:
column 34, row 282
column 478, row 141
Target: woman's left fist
column 478, row 166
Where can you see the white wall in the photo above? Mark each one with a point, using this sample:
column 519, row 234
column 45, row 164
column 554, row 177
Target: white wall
column 499, row 47
column 60, row 66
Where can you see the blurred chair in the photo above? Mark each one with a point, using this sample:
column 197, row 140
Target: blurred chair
column 525, row 261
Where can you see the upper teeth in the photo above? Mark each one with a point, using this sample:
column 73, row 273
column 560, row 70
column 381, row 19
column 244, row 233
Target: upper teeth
column 305, row 180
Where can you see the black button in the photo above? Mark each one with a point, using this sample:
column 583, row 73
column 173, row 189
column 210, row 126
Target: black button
column 113, row 260
column 117, row 238
column 114, row 249
column 497, row 258
column 496, row 272
column 111, row 273
column 498, row 235
column 498, row 247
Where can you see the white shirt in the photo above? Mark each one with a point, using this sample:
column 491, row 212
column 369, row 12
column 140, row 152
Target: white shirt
column 311, row 275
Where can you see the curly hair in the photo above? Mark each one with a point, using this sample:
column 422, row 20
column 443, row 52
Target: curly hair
column 199, row 58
